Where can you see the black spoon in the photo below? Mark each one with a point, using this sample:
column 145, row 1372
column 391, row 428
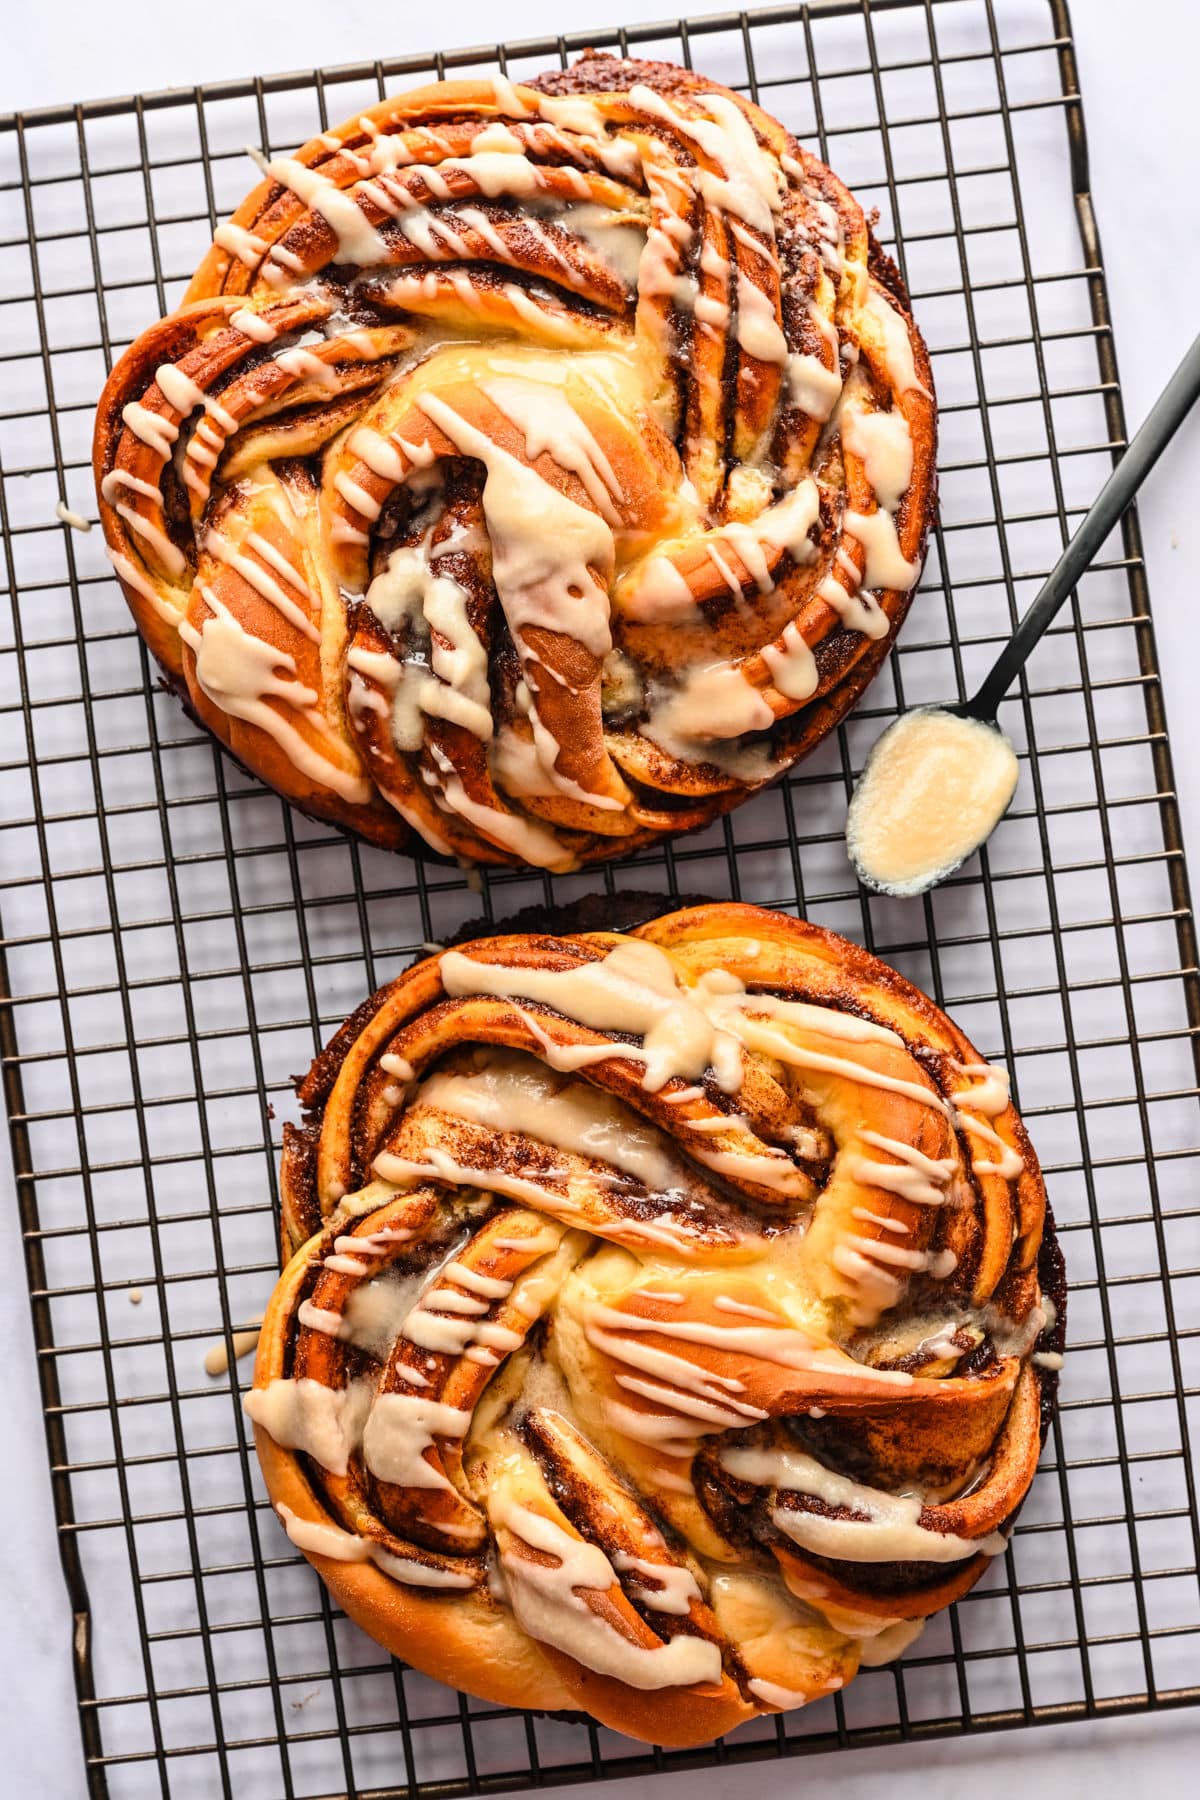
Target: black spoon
column 939, row 780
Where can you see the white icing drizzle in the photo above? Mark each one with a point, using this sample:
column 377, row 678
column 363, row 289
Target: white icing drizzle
column 150, row 428
column 491, row 1287
column 547, row 1603
column 620, row 242
column 357, row 240
column 400, row 1428
column 517, row 767
column 512, row 1092
column 886, row 565
column 378, row 452
column 783, row 1345
column 377, row 666
column 851, row 1251
column 772, row 1694
column 885, row 1528
column 397, row 592
column 920, row 1179
column 117, row 479
column 991, row 1097
column 571, row 112
column 633, row 988
column 707, row 704
column 317, row 1538
column 747, row 186
column 508, row 101
column 358, row 497
column 813, row 386
column 551, row 426
column 456, row 1303
column 262, row 547
column 453, row 684
column 168, row 554
column 662, row 594
column 216, row 1357
column 239, row 674
column 406, row 1172
column 75, row 520
column 885, row 1224
column 888, row 327
column 858, row 610
column 674, row 1589
column 765, row 1166
column 253, row 325
column 792, row 665
column 724, row 1303
column 301, row 1414
column 460, row 692
column 658, row 272
column 1007, row 1165
column 375, row 1311
column 551, row 558
column 301, row 363
column 883, row 443
column 691, row 1415
column 287, row 260
column 185, row 395
column 322, row 1319
column 823, row 1021
column 685, row 1032
column 262, row 583
column 130, row 573
column 533, row 843
column 240, row 243
column 537, row 1244
column 447, row 1323
column 418, row 1574
column 756, row 1034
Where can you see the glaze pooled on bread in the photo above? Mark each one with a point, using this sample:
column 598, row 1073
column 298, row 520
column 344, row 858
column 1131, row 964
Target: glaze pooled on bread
column 534, row 469
column 661, row 1312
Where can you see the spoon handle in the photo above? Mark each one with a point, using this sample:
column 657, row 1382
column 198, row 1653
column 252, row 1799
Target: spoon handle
column 1160, row 426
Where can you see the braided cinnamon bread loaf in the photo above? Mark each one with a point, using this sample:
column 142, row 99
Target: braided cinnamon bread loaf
column 663, row 1313
column 534, row 469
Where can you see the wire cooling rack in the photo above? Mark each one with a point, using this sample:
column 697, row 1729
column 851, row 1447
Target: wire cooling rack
column 179, row 942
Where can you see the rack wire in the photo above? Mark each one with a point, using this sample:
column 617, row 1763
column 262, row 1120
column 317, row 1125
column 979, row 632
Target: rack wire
column 179, row 942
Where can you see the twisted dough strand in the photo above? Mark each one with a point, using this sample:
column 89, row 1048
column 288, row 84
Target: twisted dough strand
column 537, row 469
column 659, row 1312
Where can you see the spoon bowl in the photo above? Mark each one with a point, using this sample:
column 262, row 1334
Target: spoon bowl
column 936, row 784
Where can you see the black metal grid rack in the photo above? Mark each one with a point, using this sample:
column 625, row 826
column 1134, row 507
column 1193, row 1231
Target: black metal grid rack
column 178, row 941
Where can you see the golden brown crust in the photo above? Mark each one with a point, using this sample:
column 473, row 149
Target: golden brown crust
column 683, row 1286
column 634, row 597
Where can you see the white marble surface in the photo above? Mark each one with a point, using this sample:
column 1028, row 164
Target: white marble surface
column 1137, row 72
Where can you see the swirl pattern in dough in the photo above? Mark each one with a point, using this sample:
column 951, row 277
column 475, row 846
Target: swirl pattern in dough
column 537, row 469
column 663, row 1314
